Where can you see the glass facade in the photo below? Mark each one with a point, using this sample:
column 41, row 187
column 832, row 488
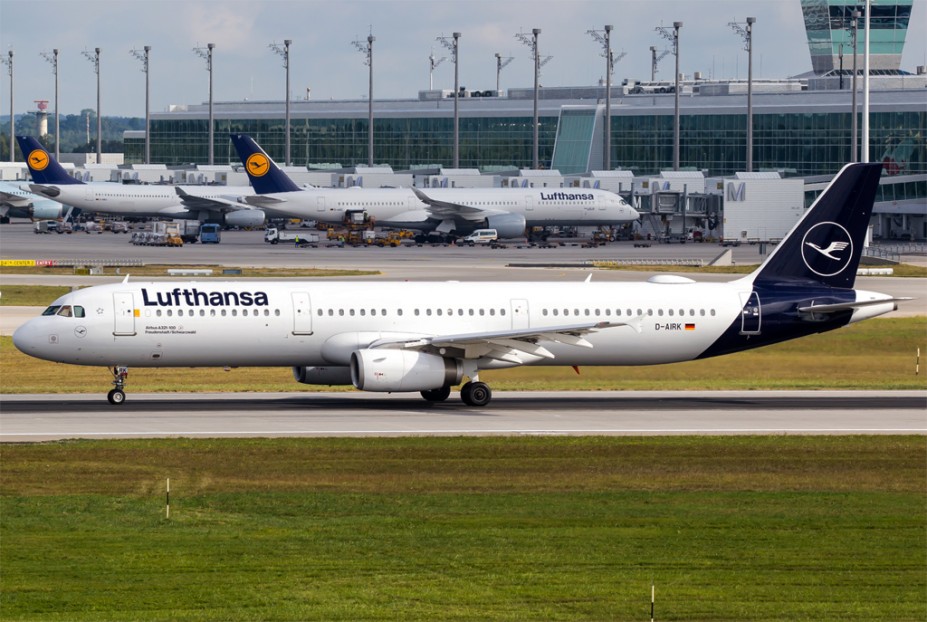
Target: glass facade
column 801, row 143
column 400, row 142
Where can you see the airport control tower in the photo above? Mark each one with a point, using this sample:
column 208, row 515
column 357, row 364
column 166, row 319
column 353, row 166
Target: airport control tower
column 827, row 24
column 41, row 116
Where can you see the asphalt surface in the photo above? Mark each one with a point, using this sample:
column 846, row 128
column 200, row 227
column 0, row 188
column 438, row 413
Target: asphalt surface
column 31, row 418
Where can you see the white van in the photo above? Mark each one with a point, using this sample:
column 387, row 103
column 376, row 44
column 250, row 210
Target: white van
column 481, row 236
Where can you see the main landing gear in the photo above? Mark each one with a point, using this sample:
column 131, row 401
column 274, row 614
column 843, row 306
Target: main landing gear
column 117, row 396
column 472, row 393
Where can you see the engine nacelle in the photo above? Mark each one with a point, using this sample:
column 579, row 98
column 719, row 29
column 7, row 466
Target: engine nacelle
column 47, row 210
column 331, row 376
column 245, row 218
column 402, row 370
column 507, row 225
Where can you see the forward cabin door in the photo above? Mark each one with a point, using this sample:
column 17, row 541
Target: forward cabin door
column 124, row 307
column 302, row 314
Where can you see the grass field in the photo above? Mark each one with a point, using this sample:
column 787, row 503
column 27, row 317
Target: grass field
column 877, row 354
column 739, row 528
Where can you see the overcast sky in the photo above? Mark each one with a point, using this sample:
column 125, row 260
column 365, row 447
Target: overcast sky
column 323, row 58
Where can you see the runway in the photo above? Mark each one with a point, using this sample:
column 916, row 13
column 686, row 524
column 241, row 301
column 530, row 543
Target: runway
column 33, row 418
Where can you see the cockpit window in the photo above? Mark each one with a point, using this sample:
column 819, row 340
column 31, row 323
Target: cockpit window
column 65, row 311
column 78, row 311
column 52, row 310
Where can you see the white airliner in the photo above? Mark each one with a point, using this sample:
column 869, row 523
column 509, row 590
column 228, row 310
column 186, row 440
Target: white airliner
column 457, row 211
column 15, row 202
column 204, row 203
column 429, row 337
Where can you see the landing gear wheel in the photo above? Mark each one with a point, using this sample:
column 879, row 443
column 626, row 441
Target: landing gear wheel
column 437, row 395
column 475, row 394
column 116, row 397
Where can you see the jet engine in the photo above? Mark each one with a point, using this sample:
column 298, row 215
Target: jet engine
column 507, row 225
column 402, row 370
column 245, row 218
column 330, row 376
column 46, row 210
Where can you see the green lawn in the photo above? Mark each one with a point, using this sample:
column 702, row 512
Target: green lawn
column 738, row 528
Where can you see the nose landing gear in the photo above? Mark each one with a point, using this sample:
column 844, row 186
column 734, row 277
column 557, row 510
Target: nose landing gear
column 117, row 396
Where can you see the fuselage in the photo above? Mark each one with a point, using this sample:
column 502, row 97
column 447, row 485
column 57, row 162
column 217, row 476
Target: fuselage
column 140, row 201
column 17, row 202
column 399, row 207
column 287, row 323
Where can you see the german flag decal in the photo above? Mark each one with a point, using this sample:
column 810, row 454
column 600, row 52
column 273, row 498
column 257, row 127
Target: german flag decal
column 690, row 326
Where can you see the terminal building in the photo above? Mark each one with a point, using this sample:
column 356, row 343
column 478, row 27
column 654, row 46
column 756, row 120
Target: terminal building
column 801, row 125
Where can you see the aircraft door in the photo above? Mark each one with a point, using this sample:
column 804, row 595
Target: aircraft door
column 529, row 203
column 302, row 314
column 520, row 317
column 750, row 316
column 124, row 307
column 320, row 204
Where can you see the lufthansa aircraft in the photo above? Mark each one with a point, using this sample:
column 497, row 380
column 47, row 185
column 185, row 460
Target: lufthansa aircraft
column 429, row 337
column 18, row 203
column 204, row 203
column 457, row 211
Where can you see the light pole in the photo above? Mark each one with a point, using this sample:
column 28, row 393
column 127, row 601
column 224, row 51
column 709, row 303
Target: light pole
column 95, row 59
column 453, row 44
column 9, row 64
column 747, row 33
column 53, row 59
column 433, row 63
column 854, row 23
column 606, row 41
column 284, row 52
column 207, row 54
column 532, row 43
column 865, row 146
column 672, row 35
column 143, row 56
column 501, row 63
column 368, row 60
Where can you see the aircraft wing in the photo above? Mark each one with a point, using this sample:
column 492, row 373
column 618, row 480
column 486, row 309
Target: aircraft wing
column 517, row 346
column 444, row 210
column 213, row 204
column 14, row 200
column 263, row 200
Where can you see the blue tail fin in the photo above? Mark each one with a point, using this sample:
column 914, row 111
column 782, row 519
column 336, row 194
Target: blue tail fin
column 825, row 246
column 266, row 177
column 43, row 167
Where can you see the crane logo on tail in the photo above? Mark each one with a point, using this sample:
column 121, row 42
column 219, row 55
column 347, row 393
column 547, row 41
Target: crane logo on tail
column 38, row 159
column 257, row 164
column 827, row 249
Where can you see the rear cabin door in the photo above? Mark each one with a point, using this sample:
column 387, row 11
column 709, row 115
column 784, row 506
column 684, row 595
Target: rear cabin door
column 750, row 318
column 302, row 314
column 124, row 307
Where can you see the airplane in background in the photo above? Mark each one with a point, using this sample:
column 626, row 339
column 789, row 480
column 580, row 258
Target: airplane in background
column 217, row 204
column 429, row 337
column 15, row 202
column 447, row 211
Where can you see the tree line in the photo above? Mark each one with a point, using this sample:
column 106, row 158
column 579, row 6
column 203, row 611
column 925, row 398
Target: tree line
column 73, row 132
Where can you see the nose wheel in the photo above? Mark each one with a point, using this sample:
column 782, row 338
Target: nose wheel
column 117, row 395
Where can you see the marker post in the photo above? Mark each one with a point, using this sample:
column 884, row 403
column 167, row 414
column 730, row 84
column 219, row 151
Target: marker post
column 167, row 513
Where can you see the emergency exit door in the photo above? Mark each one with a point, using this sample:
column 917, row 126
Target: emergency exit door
column 751, row 317
column 302, row 314
column 124, row 307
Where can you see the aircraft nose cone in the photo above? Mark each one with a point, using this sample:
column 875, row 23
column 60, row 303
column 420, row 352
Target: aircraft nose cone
column 26, row 339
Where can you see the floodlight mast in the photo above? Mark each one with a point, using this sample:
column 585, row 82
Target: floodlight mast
column 854, row 139
column 53, row 59
column 284, row 52
column 672, row 35
column 501, row 63
column 453, row 44
column 9, row 65
column 532, row 43
column 143, row 56
column 746, row 31
column 606, row 41
column 433, row 63
column 367, row 50
column 95, row 59
column 206, row 53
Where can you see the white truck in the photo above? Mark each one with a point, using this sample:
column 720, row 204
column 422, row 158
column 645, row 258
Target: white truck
column 274, row 235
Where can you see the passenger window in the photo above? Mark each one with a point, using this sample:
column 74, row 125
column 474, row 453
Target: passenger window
column 277, row 312
column 712, row 313
column 158, row 312
column 202, row 312
column 670, row 312
column 492, row 312
column 234, row 312
column 544, row 312
column 224, row 312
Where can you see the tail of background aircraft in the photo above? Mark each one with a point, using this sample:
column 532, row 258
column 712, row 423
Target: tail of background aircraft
column 825, row 246
column 43, row 167
column 266, row 177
